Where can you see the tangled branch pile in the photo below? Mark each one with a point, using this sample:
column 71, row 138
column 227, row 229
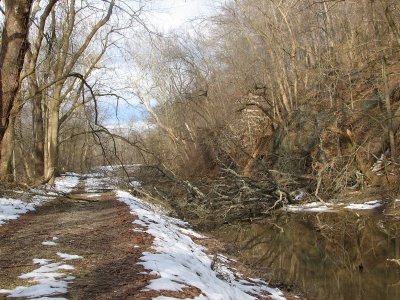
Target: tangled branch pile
column 273, row 99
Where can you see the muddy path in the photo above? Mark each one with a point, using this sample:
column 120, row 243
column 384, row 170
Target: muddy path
column 89, row 244
column 96, row 227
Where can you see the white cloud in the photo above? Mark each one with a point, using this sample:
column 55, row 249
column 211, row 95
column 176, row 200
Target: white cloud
column 129, row 127
column 172, row 14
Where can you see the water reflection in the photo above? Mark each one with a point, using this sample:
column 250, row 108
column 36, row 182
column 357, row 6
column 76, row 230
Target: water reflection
column 327, row 256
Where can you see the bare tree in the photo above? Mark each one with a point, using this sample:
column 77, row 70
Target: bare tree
column 12, row 53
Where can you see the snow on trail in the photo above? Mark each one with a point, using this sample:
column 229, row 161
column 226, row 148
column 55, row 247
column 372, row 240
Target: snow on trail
column 66, row 256
column 11, row 209
column 97, row 182
column 180, row 262
column 47, row 279
column 50, row 279
column 65, row 184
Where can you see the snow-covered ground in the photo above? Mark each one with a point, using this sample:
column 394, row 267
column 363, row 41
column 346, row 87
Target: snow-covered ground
column 311, row 207
column 364, row 206
column 49, row 280
column 179, row 262
column 66, row 183
column 11, row 208
column 328, row 207
column 98, row 182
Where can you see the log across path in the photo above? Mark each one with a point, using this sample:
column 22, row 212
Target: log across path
column 83, row 246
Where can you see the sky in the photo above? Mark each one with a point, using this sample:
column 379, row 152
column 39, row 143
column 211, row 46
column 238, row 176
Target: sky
column 164, row 16
column 172, row 14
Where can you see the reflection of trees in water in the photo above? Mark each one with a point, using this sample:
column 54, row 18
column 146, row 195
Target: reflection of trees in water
column 334, row 256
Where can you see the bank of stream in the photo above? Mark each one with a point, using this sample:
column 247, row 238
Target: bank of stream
column 335, row 250
column 328, row 255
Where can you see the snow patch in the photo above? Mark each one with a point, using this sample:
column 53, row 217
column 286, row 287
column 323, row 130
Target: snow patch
column 366, row 205
column 49, row 243
column 43, row 192
column 40, row 200
column 40, row 261
column 310, row 207
column 192, row 233
column 66, row 256
column 179, row 262
column 65, row 184
column 11, row 209
column 105, row 168
column 165, row 284
column 47, row 279
column 135, row 184
column 140, row 222
column 94, row 184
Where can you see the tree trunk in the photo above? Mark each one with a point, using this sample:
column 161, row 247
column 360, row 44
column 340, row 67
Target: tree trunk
column 25, row 162
column 256, row 152
column 38, row 131
column 7, row 148
column 13, row 48
column 51, row 159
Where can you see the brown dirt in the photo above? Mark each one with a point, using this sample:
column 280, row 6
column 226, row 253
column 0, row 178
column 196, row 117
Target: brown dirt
column 98, row 229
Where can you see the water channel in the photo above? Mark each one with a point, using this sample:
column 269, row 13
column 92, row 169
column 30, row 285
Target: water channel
column 341, row 255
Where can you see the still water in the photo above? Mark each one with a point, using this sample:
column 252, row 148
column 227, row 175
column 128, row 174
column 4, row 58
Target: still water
column 326, row 256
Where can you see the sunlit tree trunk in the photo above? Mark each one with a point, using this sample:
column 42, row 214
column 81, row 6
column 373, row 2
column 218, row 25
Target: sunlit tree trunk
column 51, row 159
column 38, row 131
column 13, row 48
column 7, row 148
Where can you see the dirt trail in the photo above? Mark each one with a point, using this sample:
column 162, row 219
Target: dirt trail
column 94, row 226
